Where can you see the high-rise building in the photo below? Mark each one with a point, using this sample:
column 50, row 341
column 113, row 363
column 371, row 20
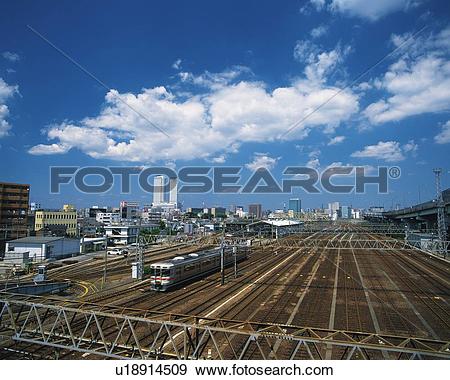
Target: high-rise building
column 173, row 195
column 14, row 199
column 333, row 210
column 295, row 205
column 255, row 210
column 158, row 190
column 345, row 212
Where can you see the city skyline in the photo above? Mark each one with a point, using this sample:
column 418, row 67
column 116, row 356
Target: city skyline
column 284, row 62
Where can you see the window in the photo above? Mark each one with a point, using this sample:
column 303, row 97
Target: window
column 189, row 267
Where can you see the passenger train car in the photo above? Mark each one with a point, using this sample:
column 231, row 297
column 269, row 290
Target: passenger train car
column 181, row 269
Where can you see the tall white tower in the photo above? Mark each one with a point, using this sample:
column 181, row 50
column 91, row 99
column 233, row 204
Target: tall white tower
column 173, row 195
column 158, row 191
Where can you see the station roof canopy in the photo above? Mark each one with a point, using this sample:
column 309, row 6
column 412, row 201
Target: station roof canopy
column 278, row 222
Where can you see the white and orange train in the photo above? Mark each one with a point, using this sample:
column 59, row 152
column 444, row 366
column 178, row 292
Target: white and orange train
column 182, row 269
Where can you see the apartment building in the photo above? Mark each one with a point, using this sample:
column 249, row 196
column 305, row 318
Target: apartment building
column 14, row 199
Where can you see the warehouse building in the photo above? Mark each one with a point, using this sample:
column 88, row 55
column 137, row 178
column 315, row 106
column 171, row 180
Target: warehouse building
column 43, row 248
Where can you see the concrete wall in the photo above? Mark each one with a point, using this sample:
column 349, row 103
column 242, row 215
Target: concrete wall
column 64, row 248
column 35, row 250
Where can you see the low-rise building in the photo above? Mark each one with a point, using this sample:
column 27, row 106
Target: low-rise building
column 129, row 210
column 218, row 212
column 61, row 220
column 122, row 234
column 93, row 244
column 43, row 248
column 107, row 217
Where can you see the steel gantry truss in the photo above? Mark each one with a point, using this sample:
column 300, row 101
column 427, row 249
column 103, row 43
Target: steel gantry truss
column 442, row 228
column 386, row 244
column 129, row 333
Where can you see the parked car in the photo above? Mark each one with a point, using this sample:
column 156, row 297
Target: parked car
column 117, row 251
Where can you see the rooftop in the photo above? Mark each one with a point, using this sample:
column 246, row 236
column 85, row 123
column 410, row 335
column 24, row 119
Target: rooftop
column 36, row 239
column 279, row 222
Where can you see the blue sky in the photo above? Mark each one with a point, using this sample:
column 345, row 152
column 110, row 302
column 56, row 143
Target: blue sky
column 225, row 80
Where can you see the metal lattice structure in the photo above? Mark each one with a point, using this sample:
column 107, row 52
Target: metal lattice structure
column 124, row 334
column 442, row 228
column 357, row 243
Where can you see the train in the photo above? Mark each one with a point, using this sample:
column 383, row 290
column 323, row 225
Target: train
column 169, row 274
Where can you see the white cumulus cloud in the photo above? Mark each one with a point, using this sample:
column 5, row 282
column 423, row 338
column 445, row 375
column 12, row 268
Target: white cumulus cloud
column 336, row 140
column 6, row 92
column 262, row 160
column 43, row 149
column 444, row 136
column 177, row 64
column 418, row 82
column 10, row 56
column 365, row 9
column 371, row 10
column 319, row 31
column 389, row 151
column 218, row 114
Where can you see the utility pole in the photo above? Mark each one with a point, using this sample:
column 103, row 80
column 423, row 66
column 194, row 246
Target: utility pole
column 222, row 257
column 235, row 260
column 105, row 264
column 442, row 228
column 139, row 253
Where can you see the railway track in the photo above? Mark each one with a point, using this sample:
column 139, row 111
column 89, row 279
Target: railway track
column 306, row 286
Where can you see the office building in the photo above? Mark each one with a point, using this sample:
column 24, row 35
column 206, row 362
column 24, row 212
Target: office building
column 129, row 210
column 56, row 222
column 218, row 212
column 255, row 211
column 345, row 212
column 196, row 211
column 94, row 210
column 14, row 199
column 159, row 196
column 173, row 194
column 295, row 205
column 158, row 190
column 333, row 210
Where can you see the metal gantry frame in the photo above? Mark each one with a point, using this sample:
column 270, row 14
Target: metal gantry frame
column 129, row 334
column 442, row 228
column 386, row 244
